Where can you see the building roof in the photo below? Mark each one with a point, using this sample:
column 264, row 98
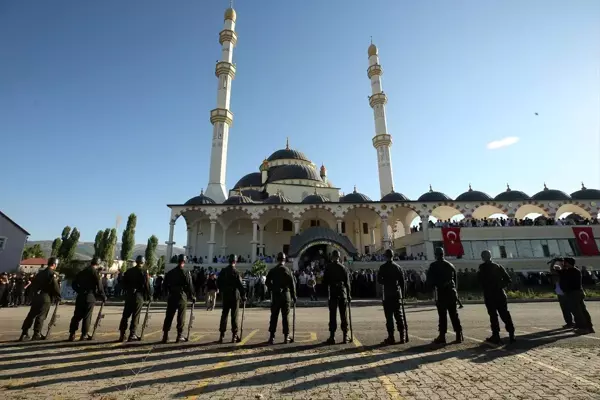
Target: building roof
column 512, row 195
column 586, row 194
column 34, row 261
column 14, row 223
column 355, row 197
column 551, row 194
column 199, row 200
column 249, row 180
column 473, row 195
column 293, row 171
column 394, row 197
column 434, row 196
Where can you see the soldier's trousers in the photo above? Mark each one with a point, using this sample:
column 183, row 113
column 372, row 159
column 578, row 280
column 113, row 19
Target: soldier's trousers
column 84, row 307
column 393, row 310
column 565, row 308
column 334, row 305
column 496, row 305
column 133, row 309
column 233, row 306
column 582, row 317
column 175, row 304
column 446, row 306
column 38, row 313
column 276, row 308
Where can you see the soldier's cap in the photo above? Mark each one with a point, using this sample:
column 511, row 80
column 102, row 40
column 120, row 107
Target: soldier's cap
column 181, row 258
column 52, row 261
column 555, row 260
column 281, row 256
column 140, row 259
column 335, row 254
column 569, row 260
column 232, row 258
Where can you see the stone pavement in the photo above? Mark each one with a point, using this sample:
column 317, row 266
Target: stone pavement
column 546, row 363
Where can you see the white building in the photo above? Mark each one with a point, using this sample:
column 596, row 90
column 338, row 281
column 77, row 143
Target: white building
column 290, row 205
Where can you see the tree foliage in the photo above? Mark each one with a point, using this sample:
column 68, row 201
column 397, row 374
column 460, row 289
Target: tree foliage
column 128, row 239
column 34, row 251
column 160, row 268
column 259, row 268
column 108, row 246
column 98, row 244
column 66, row 247
column 151, row 253
column 56, row 244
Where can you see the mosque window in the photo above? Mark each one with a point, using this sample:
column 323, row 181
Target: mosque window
column 315, row 222
column 343, row 227
column 288, row 226
column 365, row 228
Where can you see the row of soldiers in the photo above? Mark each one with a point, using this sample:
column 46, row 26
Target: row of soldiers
column 280, row 281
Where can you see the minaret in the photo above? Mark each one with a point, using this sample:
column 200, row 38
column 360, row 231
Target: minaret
column 382, row 141
column 221, row 117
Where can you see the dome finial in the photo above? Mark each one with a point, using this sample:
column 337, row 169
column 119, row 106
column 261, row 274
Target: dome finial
column 201, row 191
column 583, row 186
column 507, row 187
column 470, row 188
column 287, row 143
column 430, row 188
column 392, row 189
column 354, row 188
column 545, row 187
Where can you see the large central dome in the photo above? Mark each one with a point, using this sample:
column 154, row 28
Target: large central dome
column 288, row 154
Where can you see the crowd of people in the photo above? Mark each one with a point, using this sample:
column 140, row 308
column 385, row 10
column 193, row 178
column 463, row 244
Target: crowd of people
column 15, row 289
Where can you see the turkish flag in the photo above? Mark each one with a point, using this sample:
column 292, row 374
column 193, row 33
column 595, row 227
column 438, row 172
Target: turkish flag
column 452, row 244
column 586, row 241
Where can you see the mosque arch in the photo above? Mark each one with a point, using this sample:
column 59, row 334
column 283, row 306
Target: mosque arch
column 320, row 213
column 229, row 215
column 572, row 208
column 445, row 211
column 524, row 210
column 319, row 235
column 487, row 210
column 274, row 213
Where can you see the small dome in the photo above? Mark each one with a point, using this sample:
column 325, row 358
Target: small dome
column 550, row 194
column 432, row 196
column 277, row 198
column 238, row 199
column 373, row 50
column 293, row 171
column 355, row 197
column 512, row 195
column 315, row 199
column 199, row 200
column 230, row 14
column 473, row 195
column 252, row 179
column 255, row 195
column 392, row 197
column 586, row 194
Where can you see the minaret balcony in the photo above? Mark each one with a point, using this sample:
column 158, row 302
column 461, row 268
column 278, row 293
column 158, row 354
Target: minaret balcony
column 221, row 115
column 227, row 35
column 382, row 140
column 377, row 98
column 374, row 70
column 225, row 68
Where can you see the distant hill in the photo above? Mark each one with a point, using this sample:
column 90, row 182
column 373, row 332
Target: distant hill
column 85, row 250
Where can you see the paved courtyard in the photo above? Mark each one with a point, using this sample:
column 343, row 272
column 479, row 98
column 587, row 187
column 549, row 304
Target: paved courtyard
column 546, row 363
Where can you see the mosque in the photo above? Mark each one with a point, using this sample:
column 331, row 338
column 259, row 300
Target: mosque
column 289, row 203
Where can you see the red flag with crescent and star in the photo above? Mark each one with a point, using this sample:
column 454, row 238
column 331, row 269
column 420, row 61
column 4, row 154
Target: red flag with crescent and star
column 586, row 241
column 452, row 244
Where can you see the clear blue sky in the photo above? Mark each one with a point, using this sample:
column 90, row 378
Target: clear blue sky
column 104, row 105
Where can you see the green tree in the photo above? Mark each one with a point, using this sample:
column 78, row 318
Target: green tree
column 109, row 238
column 151, row 253
column 56, row 247
column 68, row 245
column 34, row 251
column 98, row 244
column 128, row 239
column 64, row 244
column 259, row 268
column 160, row 268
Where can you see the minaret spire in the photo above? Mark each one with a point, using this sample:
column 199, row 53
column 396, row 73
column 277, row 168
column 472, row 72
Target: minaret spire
column 221, row 117
column 382, row 141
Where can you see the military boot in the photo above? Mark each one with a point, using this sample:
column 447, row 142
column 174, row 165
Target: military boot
column 511, row 337
column 286, row 339
column 331, row 339
column 235, row 338
column 24, row 336
column 165, row 338
column 122, row 336
column 389, row 340
column 221, row 336
column 494, row 339
column 459, row 337
column 441, row 339
column 71, row 337
column 271, row 339
column 180, row 338
column 345, row 339
column 37, row 336
column 133, row 338
column 85, row 337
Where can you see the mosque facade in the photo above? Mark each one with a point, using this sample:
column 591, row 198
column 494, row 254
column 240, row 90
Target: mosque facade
column 289, row 204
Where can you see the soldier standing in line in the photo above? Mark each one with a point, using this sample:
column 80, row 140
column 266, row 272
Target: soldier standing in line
column 282, row 286
column 493, row 279
column 136, row 287
column 45, row 291
column 337, row 280
column 441, row 275
column 571, row 285
column 87, row 285
column 231, row 287
column 179, row 287
column 391, row 276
